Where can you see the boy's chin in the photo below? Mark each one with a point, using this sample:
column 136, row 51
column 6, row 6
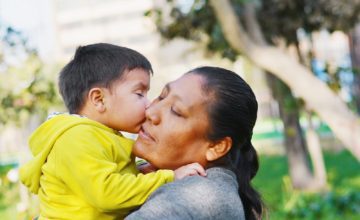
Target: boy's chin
column 137, row 129
column 133, row 130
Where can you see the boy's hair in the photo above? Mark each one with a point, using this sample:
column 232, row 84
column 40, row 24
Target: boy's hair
column 96, row 65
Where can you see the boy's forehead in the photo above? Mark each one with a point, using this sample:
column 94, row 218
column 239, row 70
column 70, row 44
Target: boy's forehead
column 136, row 77
column 128, row 72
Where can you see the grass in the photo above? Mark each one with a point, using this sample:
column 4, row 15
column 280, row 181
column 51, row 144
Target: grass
column 8, row 195
column 272, row 181
column 343, row 199
column 269, row 179
column 8, row 213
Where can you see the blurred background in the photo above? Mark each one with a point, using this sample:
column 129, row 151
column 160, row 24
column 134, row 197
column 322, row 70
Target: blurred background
column 302, row 58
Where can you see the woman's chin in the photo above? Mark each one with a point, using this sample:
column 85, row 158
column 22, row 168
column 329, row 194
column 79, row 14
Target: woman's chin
column 140, row 150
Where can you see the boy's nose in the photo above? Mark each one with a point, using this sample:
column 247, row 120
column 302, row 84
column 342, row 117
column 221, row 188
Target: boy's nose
column 147, row 104
column 152, row 115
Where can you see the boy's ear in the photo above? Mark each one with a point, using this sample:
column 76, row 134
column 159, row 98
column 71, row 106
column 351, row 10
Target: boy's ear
column 218, row 149
column 96, row 98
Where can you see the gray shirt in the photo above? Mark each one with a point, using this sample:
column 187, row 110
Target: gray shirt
column 212, row 197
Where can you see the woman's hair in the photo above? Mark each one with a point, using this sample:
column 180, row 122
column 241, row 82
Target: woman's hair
column 232, row 112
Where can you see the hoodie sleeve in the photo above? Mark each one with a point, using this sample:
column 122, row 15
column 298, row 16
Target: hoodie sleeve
column 97, row 171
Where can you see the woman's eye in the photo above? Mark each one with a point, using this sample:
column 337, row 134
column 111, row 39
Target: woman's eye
column 140, row 94
column 160, row 98
column 175, row 112
column 162, row 95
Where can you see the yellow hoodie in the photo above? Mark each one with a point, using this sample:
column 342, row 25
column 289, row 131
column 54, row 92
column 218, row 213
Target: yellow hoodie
column 84, row 170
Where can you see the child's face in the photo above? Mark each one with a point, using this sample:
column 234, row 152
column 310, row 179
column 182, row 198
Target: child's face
column 125, row 101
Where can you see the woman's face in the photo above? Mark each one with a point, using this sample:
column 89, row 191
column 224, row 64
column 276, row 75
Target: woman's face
column 174, row 133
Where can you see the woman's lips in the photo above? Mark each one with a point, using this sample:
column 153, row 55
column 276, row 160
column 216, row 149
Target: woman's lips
column 144, row 135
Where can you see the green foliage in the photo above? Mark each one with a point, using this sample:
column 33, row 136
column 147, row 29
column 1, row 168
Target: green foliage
column 27, row 86
column 329, row 205
column 198, row 24
column 28, row 91
column 283, row 202
column 4, row 169
column 278, row 19
column 283, row 18
column 8, row 190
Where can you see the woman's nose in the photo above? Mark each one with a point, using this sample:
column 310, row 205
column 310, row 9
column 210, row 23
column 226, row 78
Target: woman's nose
column 152, row 114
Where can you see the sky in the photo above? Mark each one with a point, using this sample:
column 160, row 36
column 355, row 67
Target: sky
column 34, row 18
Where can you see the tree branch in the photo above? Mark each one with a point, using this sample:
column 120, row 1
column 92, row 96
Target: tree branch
column 331, row 109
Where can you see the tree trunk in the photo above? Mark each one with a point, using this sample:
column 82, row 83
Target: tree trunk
column 318, row 97
column 354, row 40
column 313, row 140
column 295, row 148
column 299, row 169
column 314, row 146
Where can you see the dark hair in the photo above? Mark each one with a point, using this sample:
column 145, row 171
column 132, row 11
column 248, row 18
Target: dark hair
column 96, row 65
column 232, row 113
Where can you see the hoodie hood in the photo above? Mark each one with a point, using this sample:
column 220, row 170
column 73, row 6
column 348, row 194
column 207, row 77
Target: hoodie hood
column 42, row 141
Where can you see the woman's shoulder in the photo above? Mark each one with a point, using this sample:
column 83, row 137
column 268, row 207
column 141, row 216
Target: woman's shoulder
column 219, row 184
column 212, row 197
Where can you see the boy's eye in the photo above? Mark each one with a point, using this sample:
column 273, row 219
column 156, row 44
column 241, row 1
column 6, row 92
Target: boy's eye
column 140, row 93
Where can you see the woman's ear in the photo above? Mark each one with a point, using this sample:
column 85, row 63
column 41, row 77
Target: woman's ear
column 219, row 149
column 96, row 98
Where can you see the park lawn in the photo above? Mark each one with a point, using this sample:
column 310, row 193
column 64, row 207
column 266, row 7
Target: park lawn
column 342, row 202
column 8, row 195
column 282, row 202
column 8, row 213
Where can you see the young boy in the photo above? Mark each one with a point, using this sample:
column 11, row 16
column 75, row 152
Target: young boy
column 82, row 166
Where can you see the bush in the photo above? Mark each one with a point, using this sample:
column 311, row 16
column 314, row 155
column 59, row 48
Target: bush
column 325, row 206
column 8, row 190
column 342, row 201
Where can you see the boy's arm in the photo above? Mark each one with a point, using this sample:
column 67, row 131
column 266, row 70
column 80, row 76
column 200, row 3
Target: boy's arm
column 181, row 172
column 86, row 167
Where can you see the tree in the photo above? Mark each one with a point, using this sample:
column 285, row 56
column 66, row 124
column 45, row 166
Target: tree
column 316, row 94
column 280, row 20
column 29, row 87
column 289, row 106
column 333, row 111
column 355, row 60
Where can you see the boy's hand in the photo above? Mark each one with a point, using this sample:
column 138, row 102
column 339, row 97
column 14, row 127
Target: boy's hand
column 191, row 169
column 146, row 168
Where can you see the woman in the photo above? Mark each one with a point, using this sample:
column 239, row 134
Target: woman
column 206, row 116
